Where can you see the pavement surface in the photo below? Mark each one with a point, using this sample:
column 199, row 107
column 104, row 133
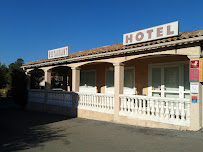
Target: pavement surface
column 26, row 131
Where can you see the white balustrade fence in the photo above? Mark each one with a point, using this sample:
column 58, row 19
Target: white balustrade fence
column 166, row 110
column 61, row 98
column 96, row 102
column 36, row 95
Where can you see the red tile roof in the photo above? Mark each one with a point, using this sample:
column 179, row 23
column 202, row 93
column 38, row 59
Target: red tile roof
column 120, row 46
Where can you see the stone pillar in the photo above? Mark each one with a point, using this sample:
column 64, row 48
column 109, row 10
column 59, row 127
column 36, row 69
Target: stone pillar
column 65, row 82
column 47, row 78
column 118, row 88
column 75, row 79
column 28, row 80
column 195, row 108
column 28, row 76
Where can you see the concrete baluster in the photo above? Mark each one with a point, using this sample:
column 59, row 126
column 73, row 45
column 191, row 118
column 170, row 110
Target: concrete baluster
column 182, row 112
column 153, row 108
column 167, row 110
column 148, row 107
column 157, row 109
column 132, row 105
column 136, row 106
column 177, row 111
column 162, row 109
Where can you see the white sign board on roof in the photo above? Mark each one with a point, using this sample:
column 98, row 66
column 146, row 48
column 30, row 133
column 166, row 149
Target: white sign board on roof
column 57, row 53
column 153, row 33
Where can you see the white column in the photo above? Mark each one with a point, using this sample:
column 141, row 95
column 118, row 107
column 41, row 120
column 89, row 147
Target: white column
column 47, row 78
column 195, row 108
column 28, row 74
column 28, row 80
column 118, row 88
column 75, row 79
column 65, row 82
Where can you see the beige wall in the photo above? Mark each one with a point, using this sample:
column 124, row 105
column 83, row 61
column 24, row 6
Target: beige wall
column 141, row 71
column 95, row 115
column 100, row 69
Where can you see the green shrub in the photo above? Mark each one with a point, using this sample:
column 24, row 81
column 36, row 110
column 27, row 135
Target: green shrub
column 19, row 87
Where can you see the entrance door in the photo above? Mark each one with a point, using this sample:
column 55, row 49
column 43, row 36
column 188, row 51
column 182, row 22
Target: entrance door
column 169, row 80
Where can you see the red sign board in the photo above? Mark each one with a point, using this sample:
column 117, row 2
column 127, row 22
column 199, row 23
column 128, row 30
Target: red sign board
column 194, row 75
column 194, row 64
column 194, row 99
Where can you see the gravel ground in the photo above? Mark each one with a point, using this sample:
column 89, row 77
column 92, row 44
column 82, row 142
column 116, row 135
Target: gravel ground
column 27, row 131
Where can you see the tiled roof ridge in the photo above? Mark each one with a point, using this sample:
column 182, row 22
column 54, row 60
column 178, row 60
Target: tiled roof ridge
column 120, row 46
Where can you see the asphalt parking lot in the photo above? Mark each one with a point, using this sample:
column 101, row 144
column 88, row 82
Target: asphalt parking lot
column 28, row 131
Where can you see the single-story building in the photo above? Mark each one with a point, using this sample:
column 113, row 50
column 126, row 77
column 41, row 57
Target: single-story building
column 145, row 84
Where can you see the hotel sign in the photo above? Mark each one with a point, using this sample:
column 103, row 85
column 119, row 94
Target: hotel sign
column 153, row 33
column 57, row 53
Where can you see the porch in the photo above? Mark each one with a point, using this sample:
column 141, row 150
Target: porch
column 151, row 90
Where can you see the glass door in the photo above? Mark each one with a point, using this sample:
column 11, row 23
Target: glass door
column 169, row 80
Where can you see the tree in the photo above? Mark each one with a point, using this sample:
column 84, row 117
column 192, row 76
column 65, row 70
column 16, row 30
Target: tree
column 16, row 65
column 17, row 78
column 3, row 77
column 36, row 78
column 19, row 87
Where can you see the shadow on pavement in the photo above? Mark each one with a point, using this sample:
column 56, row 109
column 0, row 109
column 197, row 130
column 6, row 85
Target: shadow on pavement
column 21, row 130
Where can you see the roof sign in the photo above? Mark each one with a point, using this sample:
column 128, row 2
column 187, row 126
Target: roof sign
column 57, row 53
column 153, row 33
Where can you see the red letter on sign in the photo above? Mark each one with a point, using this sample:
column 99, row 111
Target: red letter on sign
column 127, row 38
column 169, row 32
column 159, row 31
column 150, row 33
column 139, row 36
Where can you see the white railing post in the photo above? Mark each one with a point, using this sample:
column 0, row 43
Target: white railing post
column 148, row 108
column 157, row 109
column 172, row 111
column 162, row 109
column 188, row 113
column 140, row 106
column 125, row 105
column 128, row 105
column 182, row 113
column 132, row 105
column 122, row 104
column 167, row 110
column 177, row 111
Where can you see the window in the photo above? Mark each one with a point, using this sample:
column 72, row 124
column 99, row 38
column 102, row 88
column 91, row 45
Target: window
column 169, row 80
column 109, row 89
column 156, row 78
column 129, row 83
column 87, row 81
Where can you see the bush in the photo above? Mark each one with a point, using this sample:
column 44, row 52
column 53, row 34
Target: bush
column 19, row 87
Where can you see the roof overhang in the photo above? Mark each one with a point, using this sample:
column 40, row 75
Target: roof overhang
column 108, row 54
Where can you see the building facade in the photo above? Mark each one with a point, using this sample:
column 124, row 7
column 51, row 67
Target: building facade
column 145, row 84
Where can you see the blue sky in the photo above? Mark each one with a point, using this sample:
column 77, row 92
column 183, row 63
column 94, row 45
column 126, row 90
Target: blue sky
column 29, row 28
